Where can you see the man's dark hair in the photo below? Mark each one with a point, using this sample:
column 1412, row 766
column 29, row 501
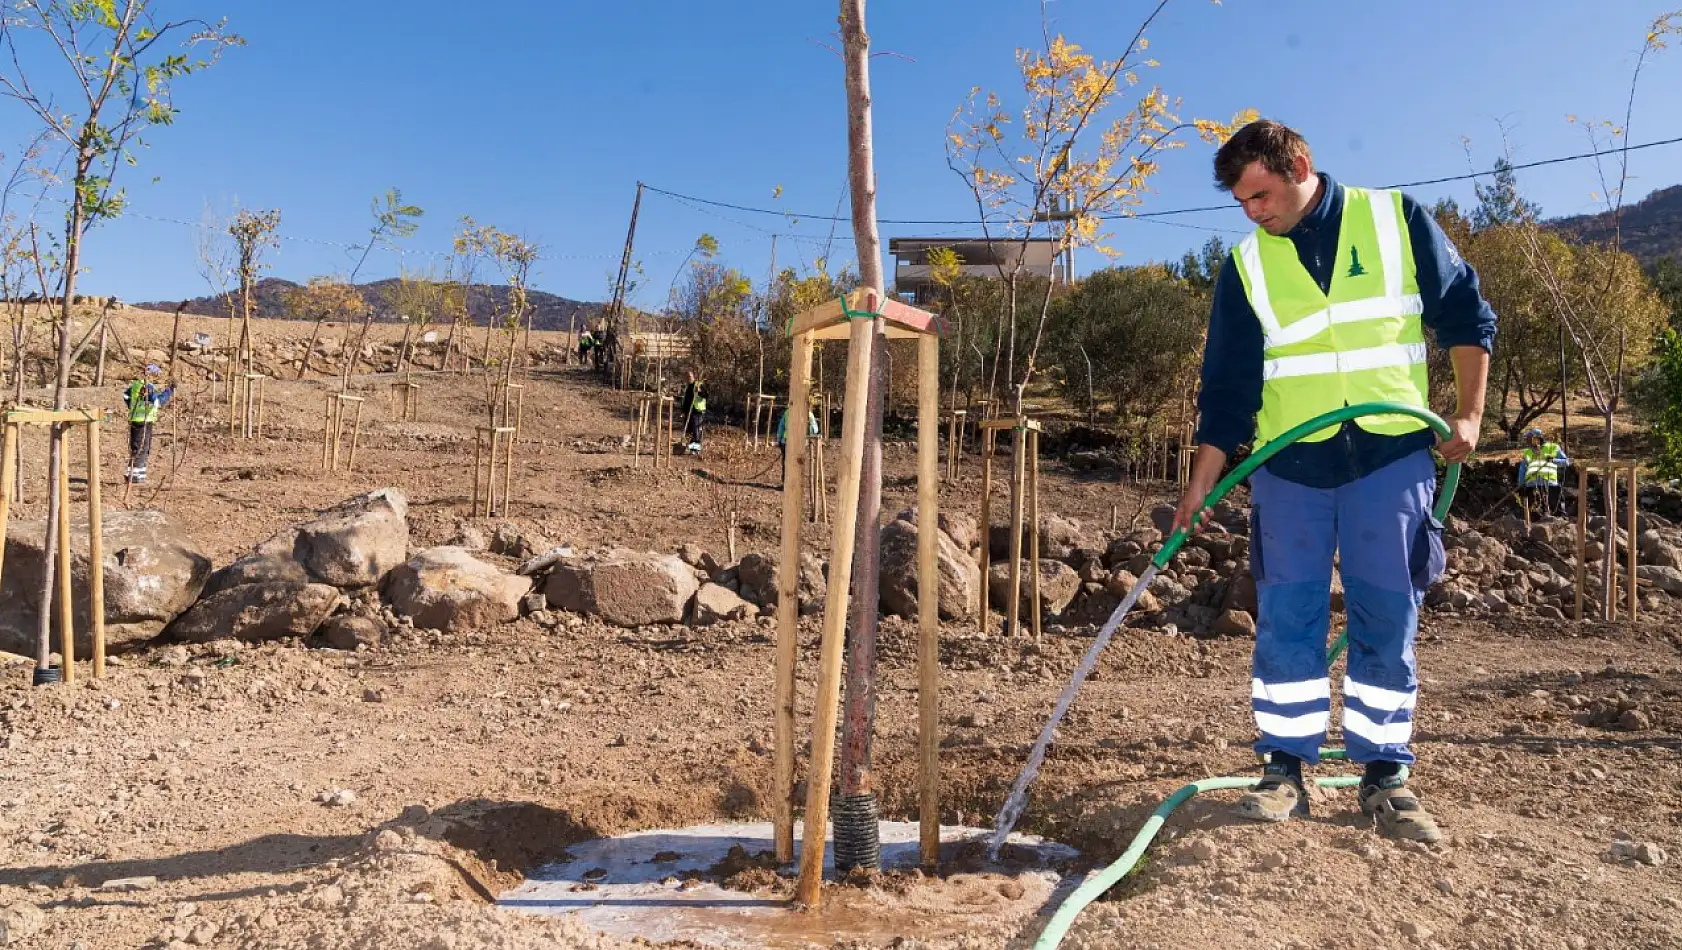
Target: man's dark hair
column 1276, row 145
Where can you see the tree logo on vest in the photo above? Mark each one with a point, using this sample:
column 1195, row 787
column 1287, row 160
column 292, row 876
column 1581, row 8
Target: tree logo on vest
column 1355, row 268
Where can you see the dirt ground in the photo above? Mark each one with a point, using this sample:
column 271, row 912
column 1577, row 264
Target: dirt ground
column 220, row 771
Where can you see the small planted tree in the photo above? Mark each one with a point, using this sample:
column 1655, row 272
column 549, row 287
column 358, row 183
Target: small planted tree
column 322, row 300
column 1078, row 158
column 393, row 221
column 253, row 232
column 119, row 65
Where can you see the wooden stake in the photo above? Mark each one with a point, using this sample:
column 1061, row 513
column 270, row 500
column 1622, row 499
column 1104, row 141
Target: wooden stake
column 478, row 463
column 508, row 469
column 66, row 607
column 1634, row 601
column 986, row 522
column 835, row 613
column 490, row 493
column 96, row 551
column 1610, row 606
column 1582, row 535
column 928, row 601
column 1018, row 479
column 8, row 478
column 355, row 436
column 1034, row 525
column 788, row 606
column 327, row 435
column 1115, row 518
column 730, row 537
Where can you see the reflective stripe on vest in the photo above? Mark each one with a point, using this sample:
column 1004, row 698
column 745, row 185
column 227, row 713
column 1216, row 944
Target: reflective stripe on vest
column 1542, row 464
column 1361, row 341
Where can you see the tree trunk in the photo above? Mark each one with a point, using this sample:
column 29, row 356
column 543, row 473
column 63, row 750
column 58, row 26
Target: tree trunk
column 175, row 339
column 309, row 350
column 99, row 366
column 61, row 387
column 1609, row 559
column 860, row 714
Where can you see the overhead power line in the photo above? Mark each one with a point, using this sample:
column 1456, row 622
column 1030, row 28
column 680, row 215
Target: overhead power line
column 1560, row 159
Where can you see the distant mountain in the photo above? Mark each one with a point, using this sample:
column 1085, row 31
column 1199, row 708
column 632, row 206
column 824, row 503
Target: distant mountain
column 269, row 297
column 1650, row 229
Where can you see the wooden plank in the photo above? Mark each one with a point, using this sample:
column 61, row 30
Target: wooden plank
column 838, row 331
column 788, row 604
column 822, row 316
column 8, row 478
column 1033, row 440
column 1018, row 479
column 835, row 614
column 1582, row 535
column 1012, row 422
column 986, row 524
column 928, row 602
column 1634, row 508
column 66, row 607
column 96, row 552
column 54, row 416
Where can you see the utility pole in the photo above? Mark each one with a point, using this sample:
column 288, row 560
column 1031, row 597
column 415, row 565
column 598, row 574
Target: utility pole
column 617, row 307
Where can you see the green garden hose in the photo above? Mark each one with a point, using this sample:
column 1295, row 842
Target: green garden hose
column 1064, row 917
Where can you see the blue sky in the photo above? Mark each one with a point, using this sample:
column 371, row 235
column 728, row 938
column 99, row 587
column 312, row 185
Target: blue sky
column 539, row 118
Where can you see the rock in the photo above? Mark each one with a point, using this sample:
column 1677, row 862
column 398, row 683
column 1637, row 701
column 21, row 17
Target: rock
column 1667, row 579
column 1496, row 601
column 445, row 588
column 1657, row 551
column 958, row 526
column 1550, row 612
column 353, row 544
column 1202, row 850
column 125, row 884
column 1162, row 517
column 626, row 589
column 1414, row 930
column 1241, row 593
column 153, row 572
column 1092, row 571
column 338, row 798
column 1058, row 585
column 256, row 612
column 270, row 568
column 1649, row 854
column 1274, row 860
column 757, row 582
column 1509, row 528
column 1168, row 590
column 1234, row 623
column 714, row 604
column 1121, row 551
column 511, row 540
column 694, row 556
column 348, row 633
column 19, row 922
column 957, row 574
column 471, row 537
column 1634, row 720
column 1059, row 536
column 533, row 603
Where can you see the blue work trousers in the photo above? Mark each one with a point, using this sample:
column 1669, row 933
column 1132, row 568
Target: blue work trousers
column 1389, row 551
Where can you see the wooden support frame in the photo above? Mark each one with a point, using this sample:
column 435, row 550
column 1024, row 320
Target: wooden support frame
column 486, row 439
column 832, row 321
column 1612, row 478
column 62, row 422
column 1024, row 513
column 405, row 400
column 956, row 425
column 761, row 415
column 246, row 407
column 663, row 412
column 333, row 431
column 510, row 408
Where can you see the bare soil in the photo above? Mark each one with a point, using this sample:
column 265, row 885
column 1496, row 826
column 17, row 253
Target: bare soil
column 473, row 757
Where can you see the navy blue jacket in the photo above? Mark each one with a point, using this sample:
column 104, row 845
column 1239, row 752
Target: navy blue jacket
column 1454, row 311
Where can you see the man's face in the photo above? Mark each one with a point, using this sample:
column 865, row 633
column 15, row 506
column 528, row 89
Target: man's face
column 1272, row 202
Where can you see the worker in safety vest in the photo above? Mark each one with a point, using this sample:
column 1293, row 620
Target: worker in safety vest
column 1325, row 305
column 1538, row 472
column 693, row 401
column 144, row 397
column 586, row 342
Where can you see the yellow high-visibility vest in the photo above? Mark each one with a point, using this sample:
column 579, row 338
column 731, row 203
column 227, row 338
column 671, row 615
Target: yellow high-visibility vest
column 1361, row 342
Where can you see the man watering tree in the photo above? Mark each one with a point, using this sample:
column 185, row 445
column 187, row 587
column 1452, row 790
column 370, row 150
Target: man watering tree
column 1326, row 304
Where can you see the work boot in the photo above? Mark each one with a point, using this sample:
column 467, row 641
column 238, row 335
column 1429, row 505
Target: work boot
column 1397, row 812
column 1279, row 796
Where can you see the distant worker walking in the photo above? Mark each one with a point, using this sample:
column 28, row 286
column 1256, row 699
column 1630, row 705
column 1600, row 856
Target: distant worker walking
column 144, row 397
column 693, row 401
column 1538, row 473
column 1325, row 305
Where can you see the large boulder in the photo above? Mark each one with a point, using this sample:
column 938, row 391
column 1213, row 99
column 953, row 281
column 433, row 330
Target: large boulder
column 1058, row 585
column 353, row 544
column 1059, row 537
column 757, row 580
column 956, row 572
column 153, row 572
column 257, row 612
column 1241, row 593
column 446, row 588
column 1667, row 579
column 1656, row 550
column 715, row 604
column 626, row 589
